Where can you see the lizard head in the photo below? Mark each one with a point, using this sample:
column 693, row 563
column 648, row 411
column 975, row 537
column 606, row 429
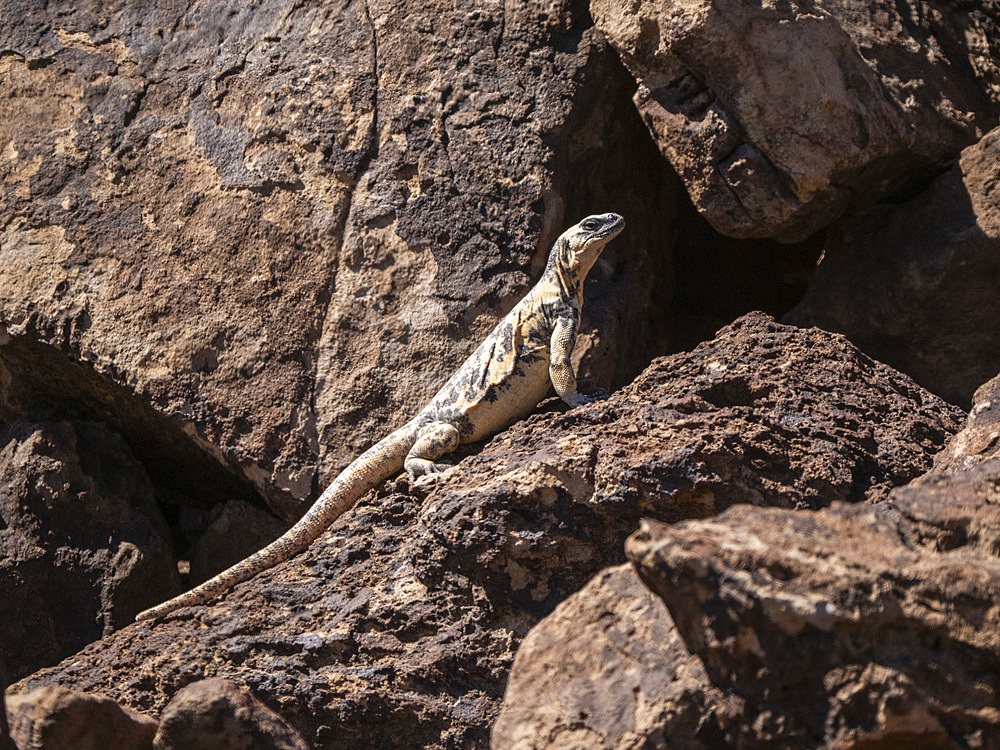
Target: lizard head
column 578, row 247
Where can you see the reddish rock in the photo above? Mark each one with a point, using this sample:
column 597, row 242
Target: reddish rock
column 779, row 117
column 914, row 284
column 220, row 715
column 55, row 718
column 403, row 619
column 83, row 546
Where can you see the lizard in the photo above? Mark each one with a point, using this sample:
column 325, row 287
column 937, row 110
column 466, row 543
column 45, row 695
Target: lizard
column 502, row 381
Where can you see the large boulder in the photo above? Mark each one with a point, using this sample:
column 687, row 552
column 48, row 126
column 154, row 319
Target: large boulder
column 403, row 619
column 779, row 117
column 607, row 670
column 273, row 231
column 915, row 283
column 83, row 545
column 856, row 626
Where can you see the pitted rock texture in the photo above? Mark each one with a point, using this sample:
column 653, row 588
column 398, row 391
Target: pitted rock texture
column 855, row 626
column 915, row 284
column 607, row 669
column 220, row 715
column 83, row 545
column 55, row 718
column 779, row 117
column 399, row 625
column 262, row 222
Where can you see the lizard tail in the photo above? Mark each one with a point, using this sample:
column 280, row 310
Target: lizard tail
column 370, row 469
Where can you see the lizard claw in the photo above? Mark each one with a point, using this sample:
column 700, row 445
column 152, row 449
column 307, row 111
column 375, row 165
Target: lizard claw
column 427, row 472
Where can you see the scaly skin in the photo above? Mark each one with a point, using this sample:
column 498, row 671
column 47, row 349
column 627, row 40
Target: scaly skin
column 503, row 380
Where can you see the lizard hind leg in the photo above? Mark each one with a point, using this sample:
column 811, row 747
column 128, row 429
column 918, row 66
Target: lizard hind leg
column 434, row 440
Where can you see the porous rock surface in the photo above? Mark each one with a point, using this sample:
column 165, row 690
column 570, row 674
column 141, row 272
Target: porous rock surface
column 83, row 544
column 239, row 232
column 781, row 116
column 857, row 626
column 56, row 718
column 218, row 714
column 399, row 625
column 914, row 284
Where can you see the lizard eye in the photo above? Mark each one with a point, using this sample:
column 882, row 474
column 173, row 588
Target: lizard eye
column 590, row 225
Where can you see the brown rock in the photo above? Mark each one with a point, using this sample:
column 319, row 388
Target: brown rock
column 237, row 530
column 220, row 715
column 979, row 440
column 83, row 546
column 6, row 743
column 849, row 627
column 779, row 117
column 915, row 284
column 255, row 228
column 607, row 669
column 55, row 718
column 403, row 619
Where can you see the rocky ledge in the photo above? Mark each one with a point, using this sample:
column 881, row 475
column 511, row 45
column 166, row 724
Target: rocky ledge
column 854, row 626
column 403, row 619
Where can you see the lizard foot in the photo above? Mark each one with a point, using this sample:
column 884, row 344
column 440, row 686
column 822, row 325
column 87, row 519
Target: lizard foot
column 423, row 471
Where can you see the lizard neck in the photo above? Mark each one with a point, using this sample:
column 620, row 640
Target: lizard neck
column 560, row 274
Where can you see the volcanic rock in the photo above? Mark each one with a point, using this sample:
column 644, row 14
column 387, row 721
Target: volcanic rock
column 403, row 619
column 54, row 718
column 83, row 545
column 261, row 234
column 219, row 715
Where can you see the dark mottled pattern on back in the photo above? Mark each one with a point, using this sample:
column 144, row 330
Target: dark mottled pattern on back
column 504, row 379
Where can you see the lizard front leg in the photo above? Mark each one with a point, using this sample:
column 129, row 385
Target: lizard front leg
column 434, row 440
column 560, row 369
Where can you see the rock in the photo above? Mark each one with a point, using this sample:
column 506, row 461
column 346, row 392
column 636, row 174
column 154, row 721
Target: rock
column 914, row 284
column 83, row 546
column 237, row 530
column 779, row 117
column 220, row 715
column 889, row 612
column 605, row 668
column 979, row 440
column 6, row 743
column 272, row 232
column 50, row 718
column 403, row 619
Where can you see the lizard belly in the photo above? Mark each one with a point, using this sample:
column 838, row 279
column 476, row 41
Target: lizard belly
column 506, row 401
